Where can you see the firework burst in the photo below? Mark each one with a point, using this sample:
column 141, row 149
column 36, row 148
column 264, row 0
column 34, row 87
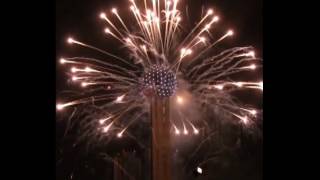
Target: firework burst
column 162, row 61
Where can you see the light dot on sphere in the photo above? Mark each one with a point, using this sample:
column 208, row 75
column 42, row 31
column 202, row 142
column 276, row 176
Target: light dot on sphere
column 199, row 170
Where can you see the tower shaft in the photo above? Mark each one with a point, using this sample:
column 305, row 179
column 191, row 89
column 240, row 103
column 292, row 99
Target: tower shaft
column 161, row 144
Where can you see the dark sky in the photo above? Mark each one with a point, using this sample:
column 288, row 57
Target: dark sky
column 79, row 18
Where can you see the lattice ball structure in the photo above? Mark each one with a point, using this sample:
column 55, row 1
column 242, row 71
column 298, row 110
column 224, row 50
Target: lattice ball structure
column 161, row 80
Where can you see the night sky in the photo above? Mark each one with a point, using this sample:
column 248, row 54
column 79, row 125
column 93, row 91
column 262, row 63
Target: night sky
column 79, row 18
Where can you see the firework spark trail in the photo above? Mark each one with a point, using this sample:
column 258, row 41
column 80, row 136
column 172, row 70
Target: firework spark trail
column 106, row 136
column 229, row 33
column 195, row 130
column 106, row 129
column 214, row 157
column 229, row 103
column 69, row 122
column 113, row 118
column 121, row 70
column 109, row 158
column 226, row 86
column 131, row 121
column 136, row 140
column 184, row 119
column 177, row 24
column 197, row 26
column 71, row 41
column 223, row 71
column 214, row 60
column 176, row 130
column 226, row 72
column 248, row 112
column 102, row 75
column 201, row 144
